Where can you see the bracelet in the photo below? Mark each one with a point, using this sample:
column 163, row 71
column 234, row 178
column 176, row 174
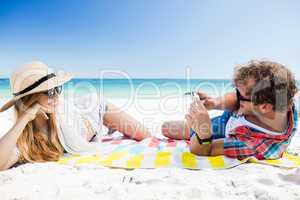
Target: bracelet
column 201, row 141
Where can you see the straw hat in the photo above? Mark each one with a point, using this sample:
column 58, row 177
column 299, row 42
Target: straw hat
column 33, row 78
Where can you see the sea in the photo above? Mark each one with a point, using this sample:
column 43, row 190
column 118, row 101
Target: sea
column 146, row 96
column 139, row 88
column 151, row 101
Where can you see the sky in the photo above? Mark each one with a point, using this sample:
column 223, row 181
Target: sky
column 149, row 38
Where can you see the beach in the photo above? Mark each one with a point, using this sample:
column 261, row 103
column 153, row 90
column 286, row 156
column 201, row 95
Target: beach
column 149, row 59
column 55, row 181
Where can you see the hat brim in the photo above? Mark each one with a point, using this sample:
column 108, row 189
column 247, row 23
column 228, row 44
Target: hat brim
column 58, row 80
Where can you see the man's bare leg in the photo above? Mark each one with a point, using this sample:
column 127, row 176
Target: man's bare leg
column 176, row 130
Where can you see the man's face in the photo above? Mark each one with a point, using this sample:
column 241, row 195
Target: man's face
column 246, row 107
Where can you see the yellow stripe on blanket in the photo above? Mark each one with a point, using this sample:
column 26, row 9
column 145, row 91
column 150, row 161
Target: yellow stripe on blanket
column 88, row 159
column 67, row 159
column 217, row 162
column 163, row 159
column 189, row 160
column 108, row 161
column 273, row 162
column 135, row 162
column 292, row 158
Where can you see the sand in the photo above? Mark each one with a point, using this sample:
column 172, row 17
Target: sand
column 54, row 181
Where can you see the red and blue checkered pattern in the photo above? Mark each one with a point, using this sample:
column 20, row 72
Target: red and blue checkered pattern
column 246, row 141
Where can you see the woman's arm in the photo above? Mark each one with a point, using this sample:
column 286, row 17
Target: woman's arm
column 8, row 143
column 9, row 140
column 119, row 120
column 13, row 159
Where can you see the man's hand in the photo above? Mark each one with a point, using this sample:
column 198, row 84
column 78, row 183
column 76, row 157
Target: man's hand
column 210, row 103
column 198, row 119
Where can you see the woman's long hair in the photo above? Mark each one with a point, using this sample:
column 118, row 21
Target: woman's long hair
column 36, row 146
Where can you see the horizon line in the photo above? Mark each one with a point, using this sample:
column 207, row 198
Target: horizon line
column 5, row 77
column 146, row 78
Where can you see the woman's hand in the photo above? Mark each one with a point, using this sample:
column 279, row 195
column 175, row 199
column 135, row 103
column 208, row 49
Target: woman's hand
column 36, row 109
column 210, row 103
column 198, row 119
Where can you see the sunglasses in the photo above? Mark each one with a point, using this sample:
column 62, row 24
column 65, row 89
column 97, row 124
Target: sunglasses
column 240, row 97
column 51, row 93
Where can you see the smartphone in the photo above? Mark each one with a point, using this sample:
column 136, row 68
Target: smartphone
column 190, row 93
column 193, row 94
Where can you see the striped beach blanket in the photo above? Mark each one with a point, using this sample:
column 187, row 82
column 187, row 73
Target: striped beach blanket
column 162, row 153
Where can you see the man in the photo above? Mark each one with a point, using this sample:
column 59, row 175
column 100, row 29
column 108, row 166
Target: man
column 259, row 119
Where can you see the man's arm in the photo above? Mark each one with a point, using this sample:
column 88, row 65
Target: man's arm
column 198, row 120
column 214, row 149
column 227, row 102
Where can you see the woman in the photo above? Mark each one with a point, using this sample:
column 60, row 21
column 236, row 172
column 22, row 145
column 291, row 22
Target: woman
column 42, row 132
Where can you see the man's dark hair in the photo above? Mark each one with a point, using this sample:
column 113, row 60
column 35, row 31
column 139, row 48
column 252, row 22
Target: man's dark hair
column 275, row 84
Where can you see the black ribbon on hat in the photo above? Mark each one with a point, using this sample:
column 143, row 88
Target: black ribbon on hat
column 35, row 84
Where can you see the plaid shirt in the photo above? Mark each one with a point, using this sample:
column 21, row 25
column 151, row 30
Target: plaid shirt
column 246, row 141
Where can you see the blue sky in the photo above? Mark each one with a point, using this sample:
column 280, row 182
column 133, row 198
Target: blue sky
column 149, row 38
